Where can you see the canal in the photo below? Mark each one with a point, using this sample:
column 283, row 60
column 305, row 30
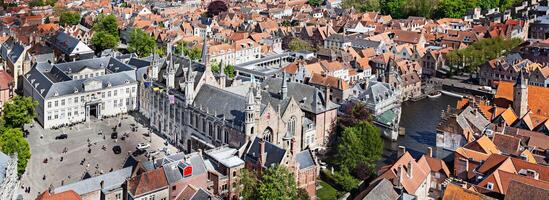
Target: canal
column 420, row 120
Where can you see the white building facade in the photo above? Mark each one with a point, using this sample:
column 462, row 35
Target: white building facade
column 78, row 91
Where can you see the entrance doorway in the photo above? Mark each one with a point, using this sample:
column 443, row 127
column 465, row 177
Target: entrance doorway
column 94, row 111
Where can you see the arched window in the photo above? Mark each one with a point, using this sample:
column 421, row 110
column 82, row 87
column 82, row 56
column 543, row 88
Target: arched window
column 291, row 126
column 268, row 134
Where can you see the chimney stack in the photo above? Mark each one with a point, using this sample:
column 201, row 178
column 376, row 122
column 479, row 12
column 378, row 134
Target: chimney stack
column 327, row 95
column 293, row 146
column 430, row 151
column 410, row 169
column 401, row 151
column 262, row 157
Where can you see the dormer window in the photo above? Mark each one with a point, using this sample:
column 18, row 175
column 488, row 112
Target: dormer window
column 490, row 186
column 109, row 84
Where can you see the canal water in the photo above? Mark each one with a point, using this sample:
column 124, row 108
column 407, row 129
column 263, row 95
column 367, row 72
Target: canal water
column 420, row 120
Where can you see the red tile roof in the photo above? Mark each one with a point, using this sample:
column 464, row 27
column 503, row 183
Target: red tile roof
column 147, row 182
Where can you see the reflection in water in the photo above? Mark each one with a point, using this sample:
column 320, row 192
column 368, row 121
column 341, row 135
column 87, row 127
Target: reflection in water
column 420, row 120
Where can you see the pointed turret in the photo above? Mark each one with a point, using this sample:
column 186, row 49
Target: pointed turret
column 222, row 77
column 189, row 84
column 284, row 88
column 205, row 52
column 520, row 94
column 250, row 114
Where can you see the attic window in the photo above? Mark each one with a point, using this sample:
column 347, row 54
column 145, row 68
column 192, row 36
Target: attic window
column 56, row 93
column 490, row 186
column 75, row 90
column 126, row 81
column 109, row 84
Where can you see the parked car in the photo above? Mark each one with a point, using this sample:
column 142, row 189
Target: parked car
column 62, row 136
column 143, row 146
column 117, row 149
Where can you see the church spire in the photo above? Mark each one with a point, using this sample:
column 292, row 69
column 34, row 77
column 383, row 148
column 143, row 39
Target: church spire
column 205, row 52
column 284, row 88
column 520, row 94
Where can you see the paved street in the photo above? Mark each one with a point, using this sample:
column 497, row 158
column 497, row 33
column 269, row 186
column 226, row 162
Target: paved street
column 73, row 166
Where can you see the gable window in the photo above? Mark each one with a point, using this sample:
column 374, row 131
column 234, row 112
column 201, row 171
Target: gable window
column 490, row 186
column 291, row 126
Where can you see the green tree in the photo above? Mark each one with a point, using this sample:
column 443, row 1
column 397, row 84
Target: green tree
column 69, row 18
column 249, row 182
column 297, row 44
column 362, row 5
column 12, row 141
column 107, row 23
column 194, row 53
column 302, row 194
column 360, row 144
column 141, row 43
column 395, row 8
column 19, row 111
column 229, row 69
column 277, row 183
column 103, row 40
column 354, row 114
column 315, row 2
column 451, row 8
column 471, row 58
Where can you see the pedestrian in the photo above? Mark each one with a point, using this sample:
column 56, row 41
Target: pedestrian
column 44, row 177
column 61, row 159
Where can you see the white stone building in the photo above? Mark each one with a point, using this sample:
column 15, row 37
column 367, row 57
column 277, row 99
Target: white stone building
column 78, row 91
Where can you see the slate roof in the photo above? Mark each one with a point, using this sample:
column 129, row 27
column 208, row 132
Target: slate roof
column 274, row 154
column 223, row 103
column 202, row 194
column 66, row 43
column 55, row 78
column 314, row 98
column 111, row 180
column 379, row 190
column 226, row 156
column 305, row 159
column 11, row 50
column 173, row 173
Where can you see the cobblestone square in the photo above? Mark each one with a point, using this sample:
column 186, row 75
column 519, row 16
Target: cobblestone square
column 70, row 166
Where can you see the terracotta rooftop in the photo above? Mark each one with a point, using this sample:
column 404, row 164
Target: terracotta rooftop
column 67, row 195
column 147, row 182
column 455, row 192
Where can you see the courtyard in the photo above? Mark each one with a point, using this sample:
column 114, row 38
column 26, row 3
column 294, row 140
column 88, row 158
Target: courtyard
column 88, row 148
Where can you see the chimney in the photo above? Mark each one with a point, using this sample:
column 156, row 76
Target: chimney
column 410, row 169
column 293, row 146
column 401, row 151
column 430, row 151
column 262, row 156
column 327, row 98
column 396, row 180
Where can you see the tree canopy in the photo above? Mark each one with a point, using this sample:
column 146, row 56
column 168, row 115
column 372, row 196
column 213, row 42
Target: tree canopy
column 141, row 43
column 426, row 8
column 107, row 23
column 276, row 183
column 229, row 69
column 19, row 111
column 12, row 141
column 314, row 2
column 103, row 40
column 69, row 18
column 216, row 7
column 106, row 32
column 297, row 44
column 480, row 52
column 194, row 53
column 359, row 144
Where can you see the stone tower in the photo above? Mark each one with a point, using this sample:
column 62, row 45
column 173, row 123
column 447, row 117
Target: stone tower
column 520, row 94
column 249, row 121
column 189, row 84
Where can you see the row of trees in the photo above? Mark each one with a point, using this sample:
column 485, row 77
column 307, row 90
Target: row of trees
column 471, row 58
column 17, row 112
column 427, row 8
column 276, row 183
column 358, row 147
